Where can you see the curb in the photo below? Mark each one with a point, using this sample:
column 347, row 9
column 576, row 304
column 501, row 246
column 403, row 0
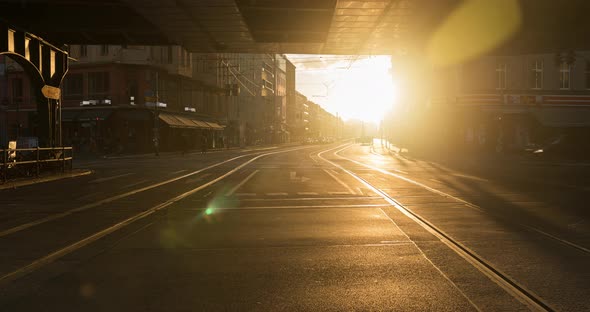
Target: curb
column 193, row 152
column 25, row 182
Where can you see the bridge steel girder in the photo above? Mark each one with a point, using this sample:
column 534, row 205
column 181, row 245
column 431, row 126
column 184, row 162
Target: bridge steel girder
column 47, row 66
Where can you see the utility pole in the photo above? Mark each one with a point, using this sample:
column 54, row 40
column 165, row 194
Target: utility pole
column 156, row 140
column 337, row 126
column 274, row 98
column 362, row 129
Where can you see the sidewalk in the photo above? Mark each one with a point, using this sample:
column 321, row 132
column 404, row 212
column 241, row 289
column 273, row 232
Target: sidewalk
column 45, row 178
column 81, row 172
column 463, row 158
column 197, row 151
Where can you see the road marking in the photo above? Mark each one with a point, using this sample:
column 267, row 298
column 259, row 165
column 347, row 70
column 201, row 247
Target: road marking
column 295, row 207
column 312, row 198
column 136, row 183
column 110, row 199
column 293, row 177
column 277, row 194
column 466, row 176
column 245, row 194
column 340, row 193
column 466, row 203
column 235, row 188
column 199, row 178
column 312, row 158
column 307, row 193
column 503, row 280
column 179, row 171
column 350, row 191
column 111, row 178
column 90, row 239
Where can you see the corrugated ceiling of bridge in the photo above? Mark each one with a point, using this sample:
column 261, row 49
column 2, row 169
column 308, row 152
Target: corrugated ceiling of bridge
column 293, row 26
column 249, row 26
column 283, row 26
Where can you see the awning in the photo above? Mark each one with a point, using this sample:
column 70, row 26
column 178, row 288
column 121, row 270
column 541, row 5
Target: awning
column 214, row 125
column 172, row 121
column 186, row 122
column 200, row 124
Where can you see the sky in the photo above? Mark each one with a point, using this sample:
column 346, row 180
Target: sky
column 354, row 87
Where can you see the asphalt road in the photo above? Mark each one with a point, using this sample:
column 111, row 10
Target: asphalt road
column 310, row 228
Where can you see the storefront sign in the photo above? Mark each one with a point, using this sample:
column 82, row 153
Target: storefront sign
column 51, row 92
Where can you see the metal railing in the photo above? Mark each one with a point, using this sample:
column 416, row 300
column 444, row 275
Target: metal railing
column 31, row 161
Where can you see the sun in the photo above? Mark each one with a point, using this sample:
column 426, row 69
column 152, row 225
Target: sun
column 353, row 87
column 365, row 91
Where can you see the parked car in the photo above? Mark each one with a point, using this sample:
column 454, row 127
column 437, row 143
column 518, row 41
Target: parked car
column 564, row 147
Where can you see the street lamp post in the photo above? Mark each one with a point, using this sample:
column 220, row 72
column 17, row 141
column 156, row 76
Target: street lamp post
column 156, row 140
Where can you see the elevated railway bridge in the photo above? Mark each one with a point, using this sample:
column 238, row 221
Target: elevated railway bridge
column 36, row 33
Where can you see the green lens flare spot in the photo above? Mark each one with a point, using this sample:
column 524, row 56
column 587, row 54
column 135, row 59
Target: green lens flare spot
column 209, row 211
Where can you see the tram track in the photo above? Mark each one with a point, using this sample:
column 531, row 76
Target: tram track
column 60, row 215
column 56, row 254
column 531, row 228
column 496, row 275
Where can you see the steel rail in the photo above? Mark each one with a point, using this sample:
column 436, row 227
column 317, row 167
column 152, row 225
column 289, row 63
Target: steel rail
column 60, row 215
column 511, row 286
column 57, row 254
column 471, row 205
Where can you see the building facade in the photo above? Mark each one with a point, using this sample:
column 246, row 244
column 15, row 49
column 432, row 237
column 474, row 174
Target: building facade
column 124, row 98
column 259, row 98
column 298, row 118
column 121, row 99
column 499, row 104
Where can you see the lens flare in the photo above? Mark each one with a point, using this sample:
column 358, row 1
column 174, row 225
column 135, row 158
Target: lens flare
column 476, row 27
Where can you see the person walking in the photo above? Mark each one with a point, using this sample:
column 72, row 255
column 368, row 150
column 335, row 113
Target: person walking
column 156, row 142
column 203, row 144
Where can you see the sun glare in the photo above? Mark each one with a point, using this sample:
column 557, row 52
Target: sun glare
column 359, row 88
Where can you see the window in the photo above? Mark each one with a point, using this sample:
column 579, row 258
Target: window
column 17, row 88
column 73, row 85
column 501, row 76
column 132, row 90
column 98, row 83
column 83, row 50
column 587, row 74
column 161, row 56
column 104, row 49
column 536, row 73
column 564, row 76
column 169, row 54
